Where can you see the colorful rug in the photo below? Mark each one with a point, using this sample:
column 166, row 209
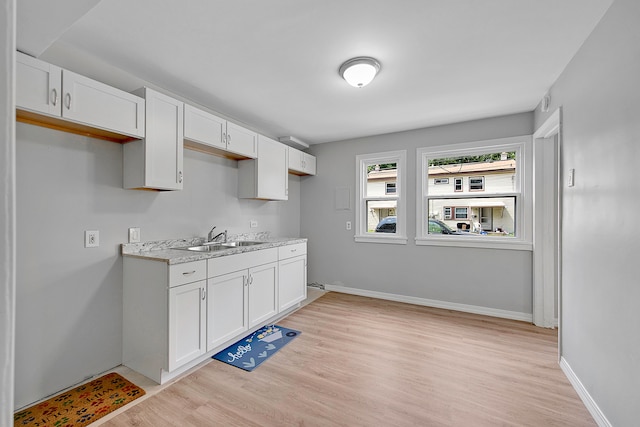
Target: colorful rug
column 251, row 351
column 82, row 405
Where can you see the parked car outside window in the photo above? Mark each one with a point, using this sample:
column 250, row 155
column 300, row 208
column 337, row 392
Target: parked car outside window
column 388, row 225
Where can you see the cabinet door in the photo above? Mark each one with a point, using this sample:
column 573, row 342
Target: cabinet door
column 163, row 144
column 98, row 105
column 226, row 307
column 266, row 177
column 295, row 159
column 263, row 302
column 292, row 281
column 187, row 322
column 308, row 164
column 272, row 178
column 204, row 128
column 242, row 141
column 38, row 86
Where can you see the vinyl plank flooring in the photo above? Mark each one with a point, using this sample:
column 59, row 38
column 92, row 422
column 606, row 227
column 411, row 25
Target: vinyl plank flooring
column 366, row 362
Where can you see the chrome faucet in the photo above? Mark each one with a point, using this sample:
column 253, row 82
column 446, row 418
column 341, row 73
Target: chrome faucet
column 212, row 238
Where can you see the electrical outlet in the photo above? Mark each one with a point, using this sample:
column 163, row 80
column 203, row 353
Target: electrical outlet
column 253, row 223
column 348, row 225
column 91, row 239
column 134, row 235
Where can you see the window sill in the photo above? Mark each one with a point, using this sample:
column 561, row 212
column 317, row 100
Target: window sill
column 474, row 242
column 393, row 240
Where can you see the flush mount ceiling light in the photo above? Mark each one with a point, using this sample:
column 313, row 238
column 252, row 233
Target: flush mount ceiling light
column 360, row 71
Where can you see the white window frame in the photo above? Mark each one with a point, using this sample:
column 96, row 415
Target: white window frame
column 524, row 203
column 362, row 161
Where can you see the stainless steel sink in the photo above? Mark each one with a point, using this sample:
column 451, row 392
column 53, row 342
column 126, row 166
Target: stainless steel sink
column 205, row 248
column 212, row 247
column 242, row 243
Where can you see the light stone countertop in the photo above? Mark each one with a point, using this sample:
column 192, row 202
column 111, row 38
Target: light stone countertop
column 164, row 250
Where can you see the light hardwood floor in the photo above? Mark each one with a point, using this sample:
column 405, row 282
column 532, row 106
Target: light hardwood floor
column 367, row 362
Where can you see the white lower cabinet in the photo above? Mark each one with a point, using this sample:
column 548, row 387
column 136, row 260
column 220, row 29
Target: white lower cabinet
column 175, row 315
column 187, row 323
column 226, row 307
column 242, row 292
column 292, row 275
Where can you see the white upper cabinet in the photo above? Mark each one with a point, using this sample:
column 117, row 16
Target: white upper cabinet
column 156, row 161
column 242, row 141
column 38, row 86
column 207, row 132
column 301, row 163
column 265, row 177
column 50, row 96
column 204, row 128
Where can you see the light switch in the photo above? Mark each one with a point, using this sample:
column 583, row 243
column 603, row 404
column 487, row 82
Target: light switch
column 571, row 177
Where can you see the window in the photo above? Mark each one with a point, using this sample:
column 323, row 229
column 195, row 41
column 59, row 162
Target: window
column 440, row 181
column 457, row 184
column 447, row 212
column 486, row 199
column 476, row 183
column 461, row 213
column 380, row 204
column 390, row 188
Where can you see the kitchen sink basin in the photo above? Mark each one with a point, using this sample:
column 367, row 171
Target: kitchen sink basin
column 205, row 248
column 212, row 247
column 241, row 243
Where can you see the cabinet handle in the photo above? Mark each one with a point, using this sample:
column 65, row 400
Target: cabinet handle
column 68, row 100
column 54, row 95
column 224, row 137
column 188, row 273
column 293, row 250
column 180, row 177
column 228, row 138
column 204, row 293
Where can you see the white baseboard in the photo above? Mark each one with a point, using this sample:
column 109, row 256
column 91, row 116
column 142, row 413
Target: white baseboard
column 588, row 401
column 505, row 314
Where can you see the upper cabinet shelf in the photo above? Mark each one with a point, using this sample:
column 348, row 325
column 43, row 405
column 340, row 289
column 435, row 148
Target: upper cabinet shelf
column 206, row 132
column 50, row 96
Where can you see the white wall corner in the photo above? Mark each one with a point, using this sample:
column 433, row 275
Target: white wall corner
column 588, row 401
column 466, row 308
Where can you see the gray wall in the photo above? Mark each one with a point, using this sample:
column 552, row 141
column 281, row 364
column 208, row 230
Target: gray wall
column 498, row 279
column 69, row 298
column 599, row 92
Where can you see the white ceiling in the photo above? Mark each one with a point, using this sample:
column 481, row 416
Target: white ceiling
column 273, row 65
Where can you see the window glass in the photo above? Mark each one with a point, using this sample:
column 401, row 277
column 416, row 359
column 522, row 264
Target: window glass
column 471, row 191
column 380, row 207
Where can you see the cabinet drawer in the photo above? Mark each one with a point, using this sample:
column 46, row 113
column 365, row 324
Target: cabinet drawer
column 230, row 263
column 289, row 251
column 188, row 272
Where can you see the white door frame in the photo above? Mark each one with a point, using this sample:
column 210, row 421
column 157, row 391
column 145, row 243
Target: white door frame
column 546, row 252
column 8, row 209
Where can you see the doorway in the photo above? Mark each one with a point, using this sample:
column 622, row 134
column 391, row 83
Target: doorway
column 547, row 142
